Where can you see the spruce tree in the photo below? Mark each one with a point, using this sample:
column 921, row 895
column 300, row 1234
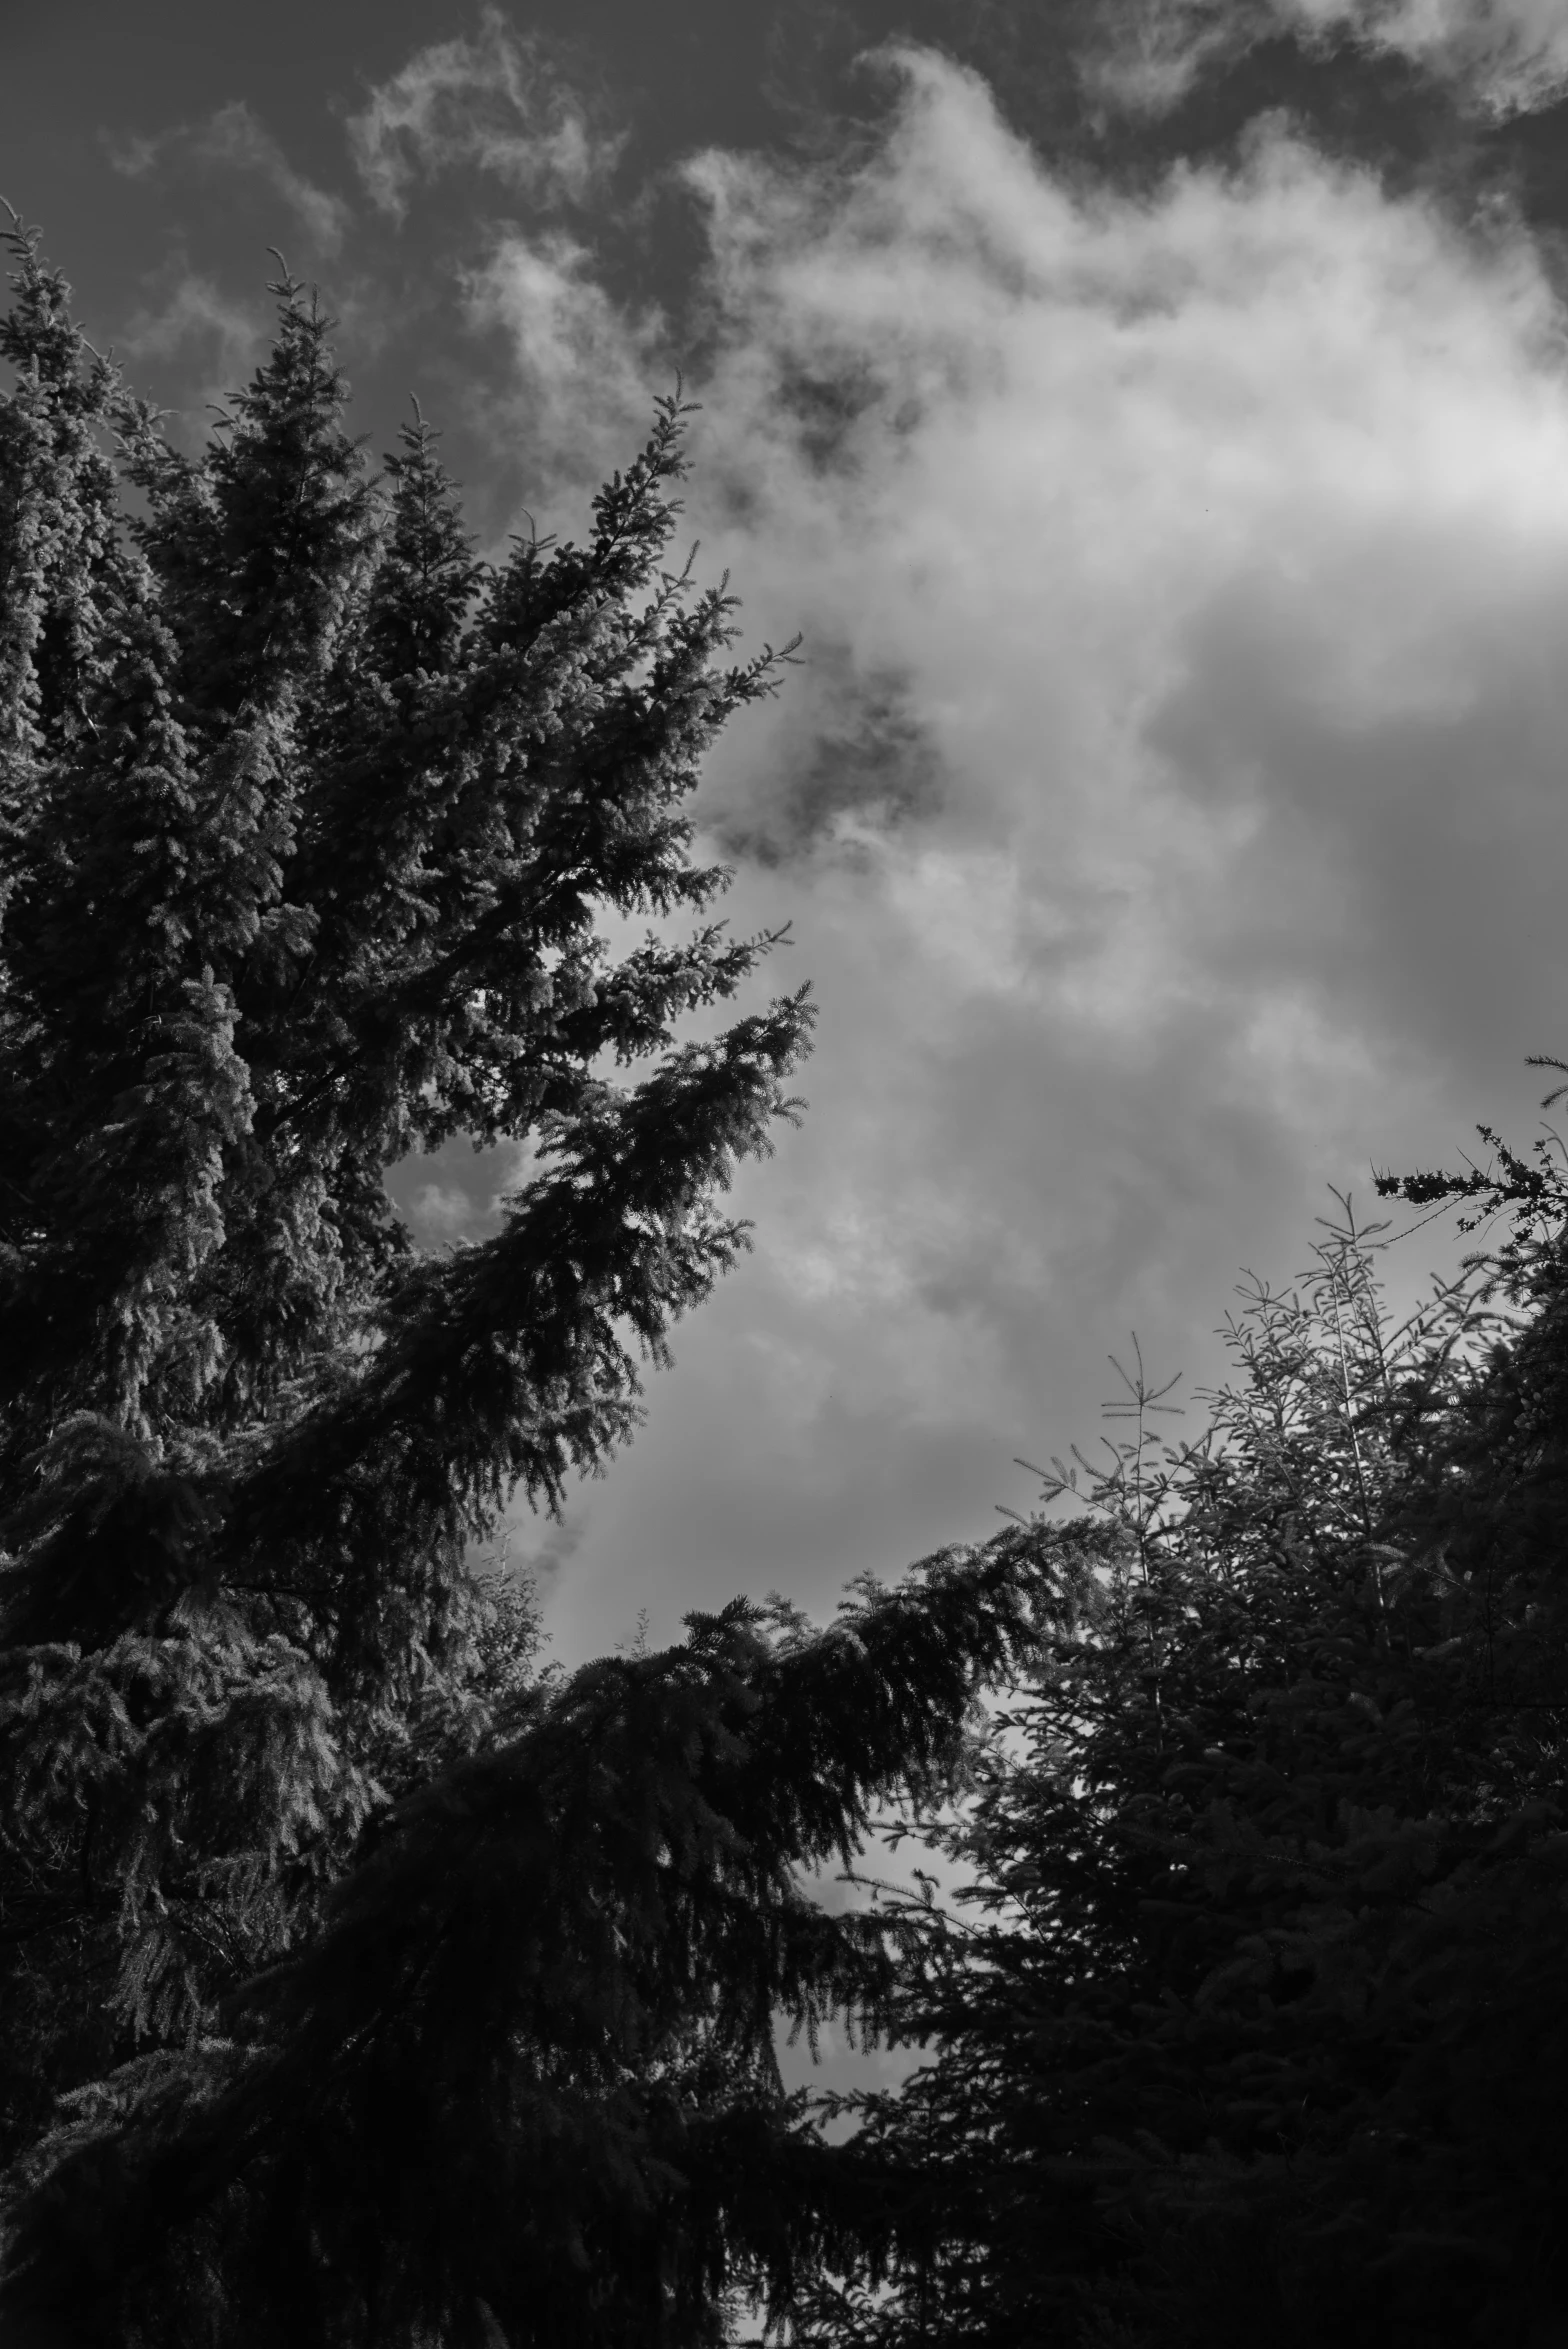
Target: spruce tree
column 359, row 1984
column 1248, row 2026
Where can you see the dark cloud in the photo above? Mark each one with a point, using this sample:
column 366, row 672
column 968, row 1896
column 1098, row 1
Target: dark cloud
column 542, row 1560
column 864, row 751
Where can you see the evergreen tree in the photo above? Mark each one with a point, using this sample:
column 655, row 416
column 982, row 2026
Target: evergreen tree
column 359, row 1984
column 1249, row 2026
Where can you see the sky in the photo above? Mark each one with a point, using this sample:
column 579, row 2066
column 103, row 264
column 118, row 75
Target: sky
column 1152, row 415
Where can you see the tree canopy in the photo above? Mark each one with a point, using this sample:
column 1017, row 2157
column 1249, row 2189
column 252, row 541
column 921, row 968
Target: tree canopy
column 360, row 1982
column 363, row 1982
column 1248, row 2026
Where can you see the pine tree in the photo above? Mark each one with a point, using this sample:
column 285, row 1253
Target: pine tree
column 359, row 1983
column 1249, row 2027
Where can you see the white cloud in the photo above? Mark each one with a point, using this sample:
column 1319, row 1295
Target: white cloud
column 1145, row 55
column 1506, row 56
column 441, row 1211
column 235, row 140
column 493, row 103
column 584, row 370
column 1170, row 810
column 1502, row 56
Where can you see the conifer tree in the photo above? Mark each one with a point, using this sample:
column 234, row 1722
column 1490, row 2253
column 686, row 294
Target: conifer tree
column 1249, row 2026
column 359, row 1985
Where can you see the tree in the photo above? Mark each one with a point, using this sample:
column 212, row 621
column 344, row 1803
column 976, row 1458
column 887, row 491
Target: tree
column 1253, row 2029
column 359, row 1983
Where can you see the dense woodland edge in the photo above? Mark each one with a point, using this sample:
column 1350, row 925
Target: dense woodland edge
column 364, row 1980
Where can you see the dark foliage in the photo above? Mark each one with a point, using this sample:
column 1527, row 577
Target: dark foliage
column 362, row 1984
column 524, row 2079
column 359, row 1983
column 1254, row 2030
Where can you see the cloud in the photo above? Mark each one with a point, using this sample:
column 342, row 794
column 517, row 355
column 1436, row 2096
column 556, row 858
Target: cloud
column 1146, row 55
column 234, row 140
column 1501, row 57
column 457, row 1192
column 541, row 1562
column 216, row 341
column 1169, row 809
column 492, row 103
column 441, row 1211
column 583, row 368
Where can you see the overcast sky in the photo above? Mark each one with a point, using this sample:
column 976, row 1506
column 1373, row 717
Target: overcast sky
column 1156, row 423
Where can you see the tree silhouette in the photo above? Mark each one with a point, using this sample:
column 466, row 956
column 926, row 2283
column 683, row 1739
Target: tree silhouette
column 359, row 1983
